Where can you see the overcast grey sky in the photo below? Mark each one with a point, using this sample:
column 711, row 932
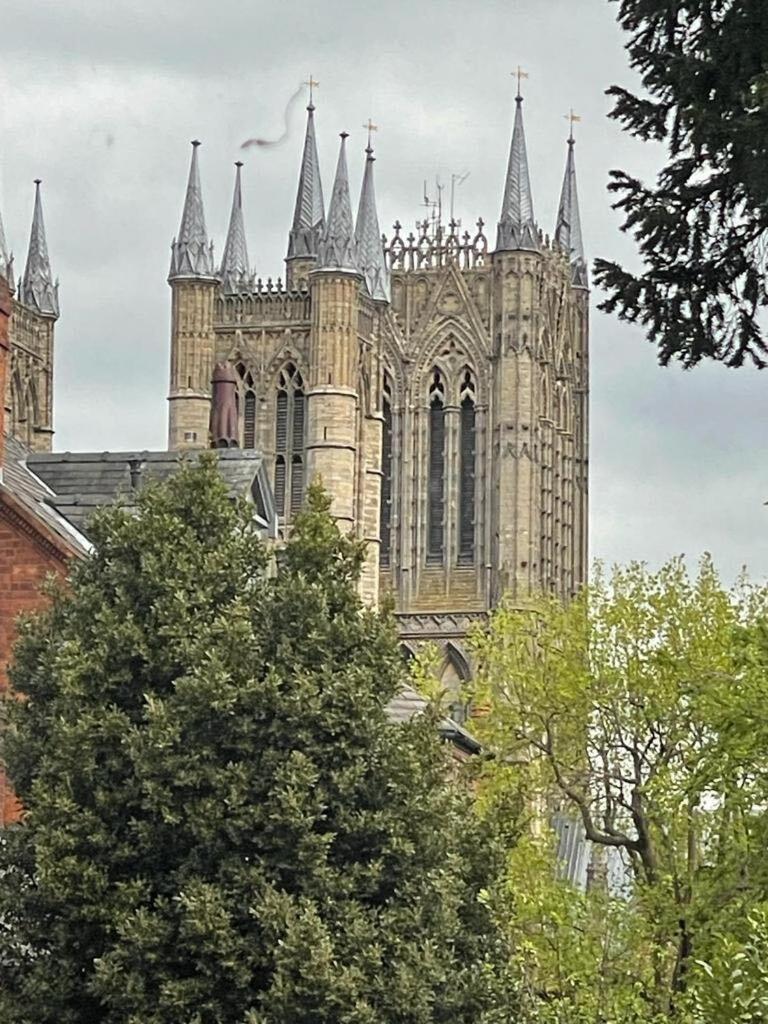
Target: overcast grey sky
column 100, row 99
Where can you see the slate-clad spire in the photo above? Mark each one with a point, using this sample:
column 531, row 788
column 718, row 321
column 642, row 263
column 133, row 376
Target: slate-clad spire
column 517, row 227
column 191, row 252
column 309, row 214
column 370, row 248
column 38, row 290
column 568, row 229
column 235, row 270
column 337, row 246
column 6, row 260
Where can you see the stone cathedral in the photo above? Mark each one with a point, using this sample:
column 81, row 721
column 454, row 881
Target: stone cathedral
column 438, row 385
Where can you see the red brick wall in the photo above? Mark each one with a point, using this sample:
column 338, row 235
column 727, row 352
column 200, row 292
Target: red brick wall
column 24, row 564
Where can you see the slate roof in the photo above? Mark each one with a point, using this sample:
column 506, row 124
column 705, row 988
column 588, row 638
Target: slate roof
column 35, row 497
column 409, row 703
column 81, row 482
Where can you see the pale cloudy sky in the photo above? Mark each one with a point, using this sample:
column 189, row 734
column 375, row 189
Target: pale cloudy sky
column 100, row 99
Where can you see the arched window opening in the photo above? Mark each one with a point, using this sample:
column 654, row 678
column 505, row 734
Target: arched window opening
column 467, row 458
column 249, row 420
column 385, row 514
column 436, row 490
column 289, row 440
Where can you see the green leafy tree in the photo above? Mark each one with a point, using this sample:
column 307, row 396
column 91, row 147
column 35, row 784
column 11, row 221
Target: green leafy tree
column 617, row 707
column 732, row 987
column 702, row 228
column 222, row 824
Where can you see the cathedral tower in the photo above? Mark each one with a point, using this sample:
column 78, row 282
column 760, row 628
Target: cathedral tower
column 29, row 390
column 194, row 283
column 438, row 386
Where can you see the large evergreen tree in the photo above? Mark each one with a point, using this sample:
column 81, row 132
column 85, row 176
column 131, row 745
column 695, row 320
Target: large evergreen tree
column 702, row 229
column 223, row 826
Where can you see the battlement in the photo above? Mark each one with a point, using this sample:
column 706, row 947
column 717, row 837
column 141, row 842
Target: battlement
column 264, row 301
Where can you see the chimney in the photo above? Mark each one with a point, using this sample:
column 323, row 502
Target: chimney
column 5, row 361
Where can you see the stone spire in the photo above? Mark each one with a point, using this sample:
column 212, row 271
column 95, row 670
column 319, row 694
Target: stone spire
column 517, row 226
column 38, row 290
column 370, row 248
column 235, row 271
column 309, row 214
column 568, row 229
column 6, row 260
column 192, row 253
column 337, row 246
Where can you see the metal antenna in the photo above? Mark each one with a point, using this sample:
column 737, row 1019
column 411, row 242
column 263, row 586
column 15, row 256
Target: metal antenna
column 457, row 179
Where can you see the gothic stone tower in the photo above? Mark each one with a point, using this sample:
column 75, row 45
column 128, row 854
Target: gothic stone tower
column 439, row 389
column 35, row 309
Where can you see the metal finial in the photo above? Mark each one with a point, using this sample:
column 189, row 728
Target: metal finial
column 572, row 119
column 312, row 86
column 38, row 182
column 196, row 143
column 343, row 135
column 371, row 127
column 520, row 75
column 238, row 163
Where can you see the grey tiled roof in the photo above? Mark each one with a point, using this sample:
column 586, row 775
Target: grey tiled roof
column 409, row 703
column 34, row 495
column 81, row 482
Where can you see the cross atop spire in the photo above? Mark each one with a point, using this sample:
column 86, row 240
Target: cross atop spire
column 568, row 228
column 517, row 225
column 235, row 270
column 520, row 75
column 309, row 212
column 371, row 127
column 6, row 260
column 312, row 86
column 572, row 119
column 370, row 249
column 191, row 252
column 337, row 246
column 38, row 290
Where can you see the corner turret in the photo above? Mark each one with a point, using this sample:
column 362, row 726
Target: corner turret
column 38, row 290
column 194, row 284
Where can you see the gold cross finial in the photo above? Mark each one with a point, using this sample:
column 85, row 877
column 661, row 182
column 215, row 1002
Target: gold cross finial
column 520, row 75
column 371, row 127
column 312, row 85
column 572, row 119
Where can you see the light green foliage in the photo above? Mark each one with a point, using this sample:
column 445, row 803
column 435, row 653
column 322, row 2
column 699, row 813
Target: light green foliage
column 618, row 708
column 222, row 824
column 732, row 988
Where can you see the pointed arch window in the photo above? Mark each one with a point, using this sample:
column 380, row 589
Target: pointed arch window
column 467, row 459
column 248, row 405
column 289, row 441
column 385, row 517
column 436, row 488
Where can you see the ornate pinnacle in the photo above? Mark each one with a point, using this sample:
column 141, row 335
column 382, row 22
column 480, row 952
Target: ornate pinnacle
column 568, row 228
column 368, row 241
column 235, row 270
column 309, row 212
column 517, row 226
column 191, row 252
column 38, row 290
column 337, row 246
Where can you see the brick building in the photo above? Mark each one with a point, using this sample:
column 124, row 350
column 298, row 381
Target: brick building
column 35, row 541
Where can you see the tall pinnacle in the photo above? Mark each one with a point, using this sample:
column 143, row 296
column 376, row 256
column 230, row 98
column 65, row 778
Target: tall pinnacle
column 517, row 226
column 235, row 271
column 309, row 214
column 38, row 290
column 370, row 249
column 568, row 229
column 337, row 246
column 191, row 252
column 6, row 260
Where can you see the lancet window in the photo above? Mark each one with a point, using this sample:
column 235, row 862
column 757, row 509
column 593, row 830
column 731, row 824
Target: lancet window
column 289, row 441
column 467, row 458
column 248, row 405
column 436, row 489
column 385, row 517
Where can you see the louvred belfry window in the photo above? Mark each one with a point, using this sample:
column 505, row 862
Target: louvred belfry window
column 467, row 450
column 289, row 441
column 248, row 405
column 436, row 487
column 385, row 517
